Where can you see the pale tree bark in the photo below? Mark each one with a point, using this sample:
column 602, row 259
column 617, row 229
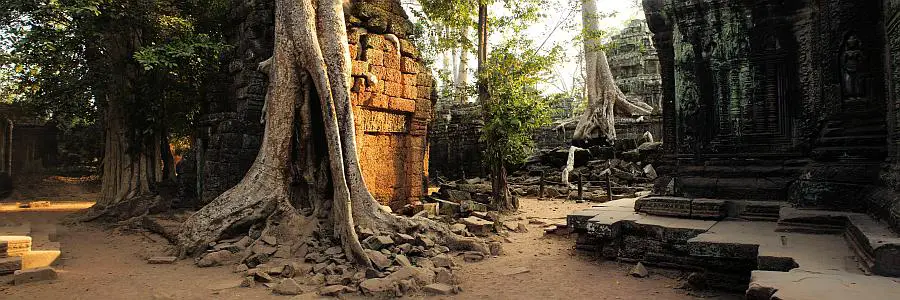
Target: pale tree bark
column 604, row 97
column 311, row 67
column 462, row 76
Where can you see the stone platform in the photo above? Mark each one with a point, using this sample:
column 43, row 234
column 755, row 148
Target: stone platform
column 734, row 252
column 26, row 246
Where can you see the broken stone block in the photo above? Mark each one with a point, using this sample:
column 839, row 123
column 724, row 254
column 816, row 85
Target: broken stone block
column 405, row 238
column 248, row 281
column 443, row 261
column 16, row 245
column 332, row 290
column 473, row 256
column 478, row 226
column 217, row 258
column 379, row 260
column 443, row 275
column 34, row 275
column 402, row 261
column 378, row 242
column 515, row 271
column 639, row 271
column 261, row 248
column 241, row 268
column 424, row 241
column 650, row 172
column 521, row 228
column 378, row 287
column 439, row 289
column 157, row 260
column 333, row 250
column 425, row 263
column 39, row 258
column 496, row 248
column 10, row 264
column 269, row 240
column 288, row 286
column 262, row 276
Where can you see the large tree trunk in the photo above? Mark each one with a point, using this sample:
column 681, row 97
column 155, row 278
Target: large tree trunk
column 604, row 97
column 311, row 67
column 131, row 161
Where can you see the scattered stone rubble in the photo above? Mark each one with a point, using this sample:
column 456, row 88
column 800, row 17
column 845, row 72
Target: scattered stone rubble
column 403, row 263
column 631, row 174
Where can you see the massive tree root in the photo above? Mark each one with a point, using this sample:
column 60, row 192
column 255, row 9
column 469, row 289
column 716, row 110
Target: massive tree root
column 604, row 97
column 311, row 69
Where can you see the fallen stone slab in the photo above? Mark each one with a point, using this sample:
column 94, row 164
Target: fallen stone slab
column 478, row 226
column 34, row 275
column 439, row 289
column 288, row 286
column 164, row 260
column 332, row 290
column 39, row 258
column 516, row 271
column 639, row 271
column 377, row 242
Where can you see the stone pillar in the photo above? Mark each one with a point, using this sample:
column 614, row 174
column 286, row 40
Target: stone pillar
column 662, row 30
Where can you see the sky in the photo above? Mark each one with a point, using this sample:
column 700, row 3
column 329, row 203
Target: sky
column 557, row 11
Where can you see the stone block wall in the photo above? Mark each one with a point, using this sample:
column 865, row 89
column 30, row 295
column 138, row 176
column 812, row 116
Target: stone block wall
column 455, row 146
column 230, row 131
column 393, row 96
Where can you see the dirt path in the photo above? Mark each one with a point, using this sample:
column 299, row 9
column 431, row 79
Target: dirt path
column 100, row 263
column 557, row 271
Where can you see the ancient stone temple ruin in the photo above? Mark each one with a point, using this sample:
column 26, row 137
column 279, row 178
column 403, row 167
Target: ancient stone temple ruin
column 634, row 64
column 392, row 97
column 780, row 138
column 27, row 144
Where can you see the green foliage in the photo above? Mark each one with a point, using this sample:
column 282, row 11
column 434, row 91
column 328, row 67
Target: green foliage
column 516, row 107
column 65, row 59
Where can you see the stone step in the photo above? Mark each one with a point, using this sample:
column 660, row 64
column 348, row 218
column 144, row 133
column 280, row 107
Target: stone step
column 800, row 284
column 853, row 140
column 850, row 152
column 863, row 129
column 747, row 188
column 702, row 208
column 873, row 242
column 16, row 245
column 740, row 171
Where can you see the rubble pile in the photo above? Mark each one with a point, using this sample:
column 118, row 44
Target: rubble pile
column 403, row 263
column 629, row 171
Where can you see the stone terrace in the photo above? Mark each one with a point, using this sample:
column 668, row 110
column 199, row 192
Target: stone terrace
column 734, row 245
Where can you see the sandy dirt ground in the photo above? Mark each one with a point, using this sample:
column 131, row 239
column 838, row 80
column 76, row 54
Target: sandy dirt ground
column 99, row 262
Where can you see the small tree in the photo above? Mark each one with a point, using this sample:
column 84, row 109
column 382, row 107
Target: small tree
column 514, row 110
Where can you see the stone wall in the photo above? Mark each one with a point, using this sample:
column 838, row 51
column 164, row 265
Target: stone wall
column 392, row 97
column 885, row 201
column 230, row 131
column 454, row 144
column 635, row 66
column 778, row 100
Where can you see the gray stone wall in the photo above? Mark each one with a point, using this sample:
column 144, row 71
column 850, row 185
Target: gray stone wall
column 804, row 86
column 455, row 149
column 230, row 132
